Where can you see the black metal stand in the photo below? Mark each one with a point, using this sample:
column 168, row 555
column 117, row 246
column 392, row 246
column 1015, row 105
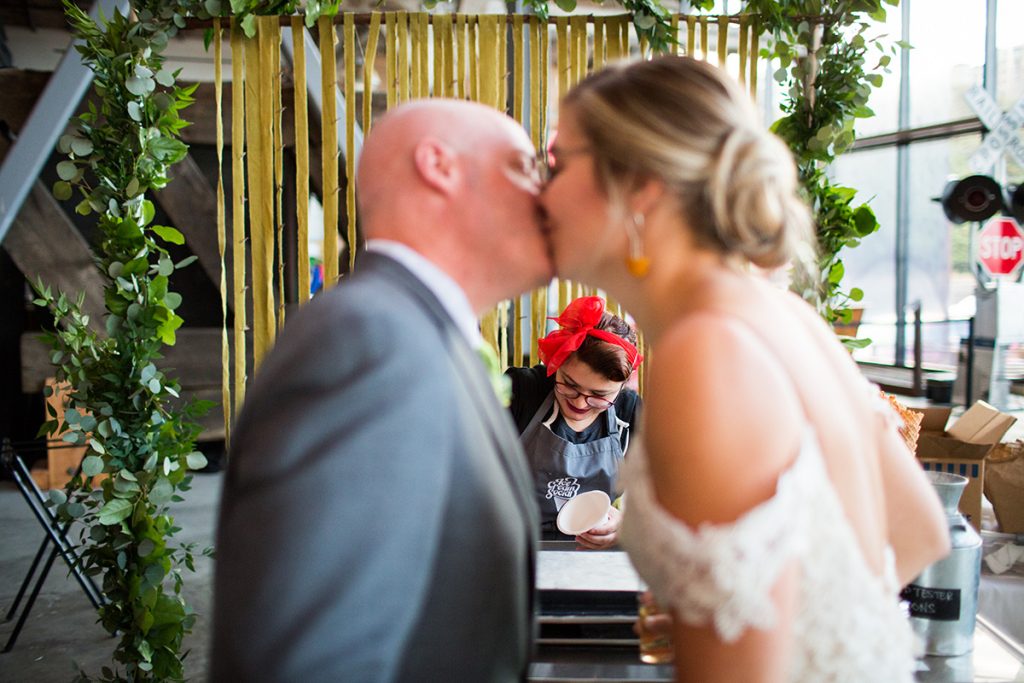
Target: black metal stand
column 55, row 534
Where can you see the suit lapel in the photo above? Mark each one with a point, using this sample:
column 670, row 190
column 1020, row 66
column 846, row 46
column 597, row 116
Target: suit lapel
column 474, row 374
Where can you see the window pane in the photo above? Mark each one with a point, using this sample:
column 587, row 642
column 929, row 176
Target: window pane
column 948, row 37
column 1010, row 66
column 939, row 271
column 871, row 265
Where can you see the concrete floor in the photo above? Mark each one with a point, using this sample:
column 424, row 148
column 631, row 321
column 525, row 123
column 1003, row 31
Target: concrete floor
column 61, row 630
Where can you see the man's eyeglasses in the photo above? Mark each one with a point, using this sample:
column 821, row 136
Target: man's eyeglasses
column 566, row 391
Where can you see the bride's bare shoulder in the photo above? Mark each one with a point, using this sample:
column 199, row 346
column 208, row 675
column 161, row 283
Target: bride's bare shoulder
column 722, row 418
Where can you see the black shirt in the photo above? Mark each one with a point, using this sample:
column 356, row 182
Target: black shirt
column 530, row 386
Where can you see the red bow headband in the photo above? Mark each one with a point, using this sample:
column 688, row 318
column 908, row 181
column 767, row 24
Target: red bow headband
column 577, row 321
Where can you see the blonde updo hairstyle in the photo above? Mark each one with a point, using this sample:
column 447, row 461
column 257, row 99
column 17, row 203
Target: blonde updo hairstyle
column 688, row 124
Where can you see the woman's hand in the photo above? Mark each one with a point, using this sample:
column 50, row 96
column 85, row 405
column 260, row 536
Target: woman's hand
column 604, row 535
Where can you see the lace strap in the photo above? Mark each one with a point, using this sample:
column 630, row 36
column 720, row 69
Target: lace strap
column 721, row 574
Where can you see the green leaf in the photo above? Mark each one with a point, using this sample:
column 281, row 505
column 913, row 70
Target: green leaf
column 642, row 20
column 114, row 512
column 67, row 170
column 195, row 460
column 864, row 220
column 172, row 300
column 146, row 547
column 134, row 111
column 248, row 24
column 92, row 465
column 167, row 149
column 187, row 261
column 62, row 190
column 74, row 510
column 165, row 266
column 139, row 86
column 161, row 491
column 169, row 234
column 81, row 147
column 58, row 497
column 148, row 211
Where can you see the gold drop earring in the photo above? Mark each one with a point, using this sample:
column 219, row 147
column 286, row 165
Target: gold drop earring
column 636, row 262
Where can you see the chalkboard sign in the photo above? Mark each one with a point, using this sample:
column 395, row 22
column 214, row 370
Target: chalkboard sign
column 937, row 604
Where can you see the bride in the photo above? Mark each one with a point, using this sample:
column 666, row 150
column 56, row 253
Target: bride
column 775, row 510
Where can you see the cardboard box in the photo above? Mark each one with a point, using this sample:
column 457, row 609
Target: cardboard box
column 961, row 449
column 1004, row 485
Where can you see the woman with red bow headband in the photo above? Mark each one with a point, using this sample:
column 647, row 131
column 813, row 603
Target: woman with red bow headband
column 575, row 413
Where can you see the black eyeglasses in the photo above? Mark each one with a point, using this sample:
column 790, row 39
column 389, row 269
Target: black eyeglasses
column 566, row 391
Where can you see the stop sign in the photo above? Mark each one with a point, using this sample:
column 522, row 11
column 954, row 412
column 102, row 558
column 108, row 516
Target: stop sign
column 1001, row 247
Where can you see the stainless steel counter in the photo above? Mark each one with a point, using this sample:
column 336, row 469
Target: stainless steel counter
column 994, row 660
column 588, row 607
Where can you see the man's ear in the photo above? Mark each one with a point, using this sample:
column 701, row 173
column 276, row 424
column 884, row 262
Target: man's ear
column 438, row 165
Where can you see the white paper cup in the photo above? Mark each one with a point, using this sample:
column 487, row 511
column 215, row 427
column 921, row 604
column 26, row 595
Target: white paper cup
column 583, row 512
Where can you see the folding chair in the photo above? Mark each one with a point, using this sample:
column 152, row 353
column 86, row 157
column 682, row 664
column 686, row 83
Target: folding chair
column 55, row 534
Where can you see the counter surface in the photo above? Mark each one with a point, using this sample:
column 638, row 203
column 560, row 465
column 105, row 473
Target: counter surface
column 586, row 628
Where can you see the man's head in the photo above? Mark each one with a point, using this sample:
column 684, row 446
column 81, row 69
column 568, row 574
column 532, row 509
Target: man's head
column 457, row 182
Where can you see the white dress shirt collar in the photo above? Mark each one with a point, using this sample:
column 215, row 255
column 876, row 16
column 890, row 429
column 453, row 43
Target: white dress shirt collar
column 438, row 282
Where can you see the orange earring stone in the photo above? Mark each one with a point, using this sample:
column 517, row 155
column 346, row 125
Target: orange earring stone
column 638, row 265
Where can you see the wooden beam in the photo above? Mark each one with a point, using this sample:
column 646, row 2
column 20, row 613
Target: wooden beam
column 43, row 242
column 194, row 361
column 191, row 204
column 24, row 88
column 21, row 89
column 37, row 13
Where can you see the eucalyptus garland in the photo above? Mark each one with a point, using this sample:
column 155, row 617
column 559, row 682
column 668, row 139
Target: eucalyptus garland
column 119, row 401
column 828, row 66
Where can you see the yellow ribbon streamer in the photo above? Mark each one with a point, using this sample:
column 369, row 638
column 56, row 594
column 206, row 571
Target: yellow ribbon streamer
column 350, row 137
column 278, row 145
column 225, row 347
column 329, row 151
column 705, row 49
column 755, row 38
column 460, row 46
column 369, row 60
column 474, row 58
column 403, row 56
column 744, row 37
column 238, row 207
column 691, row 36
column 391, row 58
column 723, row 39
column 300, row 106
column 487, row 63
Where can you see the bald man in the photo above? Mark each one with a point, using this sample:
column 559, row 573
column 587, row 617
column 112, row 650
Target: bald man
column 377, row 522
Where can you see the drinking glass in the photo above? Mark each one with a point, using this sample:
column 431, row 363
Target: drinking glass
column 655, row 648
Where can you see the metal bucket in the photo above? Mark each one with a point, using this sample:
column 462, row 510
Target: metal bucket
column 944, row 598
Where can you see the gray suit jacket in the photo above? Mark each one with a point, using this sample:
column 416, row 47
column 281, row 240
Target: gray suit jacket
column 377, row 522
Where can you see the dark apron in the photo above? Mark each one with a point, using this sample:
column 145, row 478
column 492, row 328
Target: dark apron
column 561, row 469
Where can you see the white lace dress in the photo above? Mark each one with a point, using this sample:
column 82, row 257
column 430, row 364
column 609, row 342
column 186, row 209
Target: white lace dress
column 848, row 624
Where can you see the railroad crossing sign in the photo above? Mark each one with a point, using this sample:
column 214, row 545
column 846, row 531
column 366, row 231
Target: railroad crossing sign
column 1002, row 136
column 1001, row 247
